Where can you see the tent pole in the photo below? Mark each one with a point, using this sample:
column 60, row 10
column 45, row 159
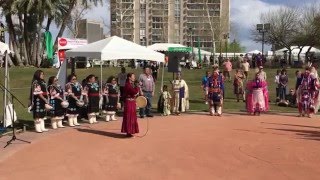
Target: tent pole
column 162, row 77
column 101, row 76
column 6, row 86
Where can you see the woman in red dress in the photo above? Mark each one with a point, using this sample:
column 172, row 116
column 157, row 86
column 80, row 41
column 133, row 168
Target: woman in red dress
column 131, row 90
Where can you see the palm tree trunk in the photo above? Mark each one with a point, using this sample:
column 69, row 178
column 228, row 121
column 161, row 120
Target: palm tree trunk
column 64, row 22
column 24, row 44
column 12, row 35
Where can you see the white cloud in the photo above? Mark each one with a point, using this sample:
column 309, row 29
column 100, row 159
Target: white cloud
column 245, row 14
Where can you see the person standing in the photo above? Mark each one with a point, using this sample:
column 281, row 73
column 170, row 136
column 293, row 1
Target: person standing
column 147, row 90
column 111, row 98
column 308, row 94
column 130, row 124
column 56, row 94
column 245, row 66
column 93, row 97
column 180, row 95
column 262, row 74
column 227, row 68
column 164, row 102
column 283, row 82
column 122, row 81
column 39, row 100
column 203, row 85
column 276, row 80
column 298, row 79
column 155, row 68
column 257, row 100
column 215, row 94
column 75, row 99
column 238, row 85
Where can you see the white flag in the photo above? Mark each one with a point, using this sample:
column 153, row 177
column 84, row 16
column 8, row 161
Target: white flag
column 62, row 74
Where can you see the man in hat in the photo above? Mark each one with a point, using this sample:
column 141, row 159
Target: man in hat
column 215, row 93
column 180, row 95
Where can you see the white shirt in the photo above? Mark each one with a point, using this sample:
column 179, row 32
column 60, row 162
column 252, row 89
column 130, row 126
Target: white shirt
column 245, row 66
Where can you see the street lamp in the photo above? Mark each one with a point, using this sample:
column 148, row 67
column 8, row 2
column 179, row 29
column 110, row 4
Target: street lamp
column 234, row 48
column 263, row 28
column 226, row 37
column 191, row 41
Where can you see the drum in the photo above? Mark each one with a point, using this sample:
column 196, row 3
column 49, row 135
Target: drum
column 64, row 104
column 141, row 101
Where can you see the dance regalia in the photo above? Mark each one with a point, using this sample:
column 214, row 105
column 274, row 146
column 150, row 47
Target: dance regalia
column 130, row 123
column 180, row 96
column 110, row 100
column 164, row 103
column 76, row 90
column 238, row 84
column 308, row 95
column 215, row 95
column 257, row 97
column 39, row 110
column 93, row 97
column 56, row 96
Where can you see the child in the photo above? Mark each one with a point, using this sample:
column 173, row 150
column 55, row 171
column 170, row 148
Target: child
column 164, row 101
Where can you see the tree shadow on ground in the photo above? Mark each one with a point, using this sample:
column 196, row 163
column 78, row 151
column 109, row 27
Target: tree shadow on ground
column 294, row 125
column 307, row 134
column 103, row 133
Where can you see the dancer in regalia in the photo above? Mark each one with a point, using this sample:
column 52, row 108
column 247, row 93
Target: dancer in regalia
column 238, row 85
column 111, row 95
column 75, row 98
column 56, row 94
column 131, row 90
column 93, row 97
column 39, row 100
column 257, row 100
column 308, row 94
column 164, row 102
column 215, row 94
column 180, row 95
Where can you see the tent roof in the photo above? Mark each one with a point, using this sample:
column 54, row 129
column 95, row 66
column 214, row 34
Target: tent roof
column 296, row 49
column 4, row 47
column 254, row 52
column 114, row 48
column 165, row 46
column 203, row 52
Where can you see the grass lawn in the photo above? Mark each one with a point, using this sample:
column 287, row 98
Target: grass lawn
column 20, row 79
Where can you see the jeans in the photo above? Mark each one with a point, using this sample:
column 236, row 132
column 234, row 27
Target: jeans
column 282, row 92
column 147, row 109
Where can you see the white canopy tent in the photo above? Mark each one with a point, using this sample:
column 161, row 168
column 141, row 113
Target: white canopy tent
column 4, row 47
column 115, row 48
column 295, row 50
column 164, row 46
column 254, row 52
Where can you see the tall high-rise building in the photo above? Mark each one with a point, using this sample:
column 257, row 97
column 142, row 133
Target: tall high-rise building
column 187, row 22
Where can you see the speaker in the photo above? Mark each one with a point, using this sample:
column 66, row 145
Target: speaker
column 174, row 61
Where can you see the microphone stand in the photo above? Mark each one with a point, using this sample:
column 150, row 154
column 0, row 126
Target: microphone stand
column 13, row 97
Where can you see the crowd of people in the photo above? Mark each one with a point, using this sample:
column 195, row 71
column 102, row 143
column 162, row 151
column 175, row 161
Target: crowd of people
column 90, row 99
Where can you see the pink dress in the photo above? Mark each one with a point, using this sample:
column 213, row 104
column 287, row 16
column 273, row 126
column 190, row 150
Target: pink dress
column 130, row 122
column 257, row 97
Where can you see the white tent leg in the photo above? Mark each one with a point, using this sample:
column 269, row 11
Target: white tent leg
column 162, row 76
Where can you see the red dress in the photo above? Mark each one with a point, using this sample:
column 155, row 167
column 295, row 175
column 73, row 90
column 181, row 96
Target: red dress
column 130, row 122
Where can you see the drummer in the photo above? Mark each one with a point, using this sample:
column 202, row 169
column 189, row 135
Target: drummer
column 74, row 91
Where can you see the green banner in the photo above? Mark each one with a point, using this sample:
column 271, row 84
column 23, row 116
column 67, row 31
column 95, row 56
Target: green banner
column 180, row 49
column 49, row 45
